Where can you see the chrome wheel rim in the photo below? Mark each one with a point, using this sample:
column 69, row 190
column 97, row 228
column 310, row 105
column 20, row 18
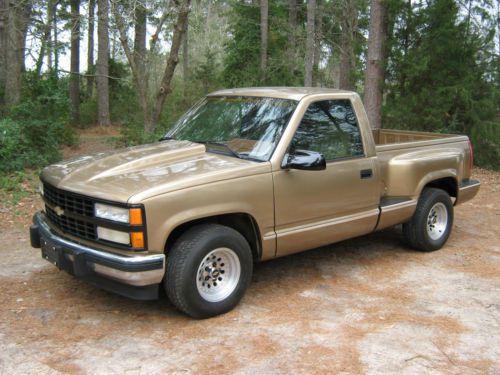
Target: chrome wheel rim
column 437, row 221
column 218, row 274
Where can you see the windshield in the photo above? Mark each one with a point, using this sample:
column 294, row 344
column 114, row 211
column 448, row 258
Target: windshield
column 246, row 127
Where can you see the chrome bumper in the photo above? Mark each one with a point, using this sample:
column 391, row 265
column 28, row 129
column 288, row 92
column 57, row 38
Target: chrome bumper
column 82, row 261
column 467, row 190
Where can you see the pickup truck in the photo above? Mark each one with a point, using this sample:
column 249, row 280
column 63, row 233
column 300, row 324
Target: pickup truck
column 245, row 175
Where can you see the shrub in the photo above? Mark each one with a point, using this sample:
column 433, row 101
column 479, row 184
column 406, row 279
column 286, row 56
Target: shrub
column 29, row 144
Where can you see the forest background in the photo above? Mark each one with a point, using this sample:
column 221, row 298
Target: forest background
column 430, row 65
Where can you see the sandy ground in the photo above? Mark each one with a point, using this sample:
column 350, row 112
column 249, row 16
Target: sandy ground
column 368, row 305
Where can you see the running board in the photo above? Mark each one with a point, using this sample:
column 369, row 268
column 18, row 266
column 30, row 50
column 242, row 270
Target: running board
column 395, row 210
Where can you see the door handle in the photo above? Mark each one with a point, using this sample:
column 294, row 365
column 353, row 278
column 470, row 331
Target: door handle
column 366, row 173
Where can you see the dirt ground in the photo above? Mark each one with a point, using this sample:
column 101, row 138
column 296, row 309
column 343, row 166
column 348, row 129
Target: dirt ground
column 368, row 305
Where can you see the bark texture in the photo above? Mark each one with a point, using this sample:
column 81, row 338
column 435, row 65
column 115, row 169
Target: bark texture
column 349, row 25
column 173, row 59
column 74, row 82
column 18, row 16
column 374, row 77
column 90, row 49
column 185, row 58
column 309, row 58
column 264, row 26
column 318, row 36
column 3, row 48
column 103, row 118
column 292, row 27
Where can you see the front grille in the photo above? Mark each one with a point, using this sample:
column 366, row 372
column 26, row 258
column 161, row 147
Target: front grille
column 73, row 214
column 69, row 225
column 69, row 202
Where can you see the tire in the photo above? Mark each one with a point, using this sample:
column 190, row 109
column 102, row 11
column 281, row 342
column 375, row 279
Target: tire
column 430, row 225
column 208, row 270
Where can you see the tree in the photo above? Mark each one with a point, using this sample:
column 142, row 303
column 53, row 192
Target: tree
column 374, row 76
column 292, row 26
column 318, row 36
column 103, row 116
column 309, row 57
column 74, row 79
column 90, row 49
column 349, row 29
column 152, row 109
column 264, row 26
column 3, row 48
column 18, row 16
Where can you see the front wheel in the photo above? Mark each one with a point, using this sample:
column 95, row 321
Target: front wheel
column 208, row 270
column 431, row 224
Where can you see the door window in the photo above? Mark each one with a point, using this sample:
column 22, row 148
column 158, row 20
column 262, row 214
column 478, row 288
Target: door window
column 331, row 128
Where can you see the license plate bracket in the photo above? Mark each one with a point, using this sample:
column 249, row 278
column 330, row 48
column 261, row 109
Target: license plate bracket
column 52, row 253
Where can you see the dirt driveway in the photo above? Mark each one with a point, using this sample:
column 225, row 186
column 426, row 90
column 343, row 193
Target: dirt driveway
column 367, row 305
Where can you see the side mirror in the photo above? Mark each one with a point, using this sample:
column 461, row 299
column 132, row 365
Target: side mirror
column 305, row 160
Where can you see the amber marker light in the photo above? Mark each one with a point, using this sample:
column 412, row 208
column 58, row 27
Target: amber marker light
column 137, row 240
column 135, row 216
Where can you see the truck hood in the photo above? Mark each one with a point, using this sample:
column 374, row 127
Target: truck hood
column 136, row 173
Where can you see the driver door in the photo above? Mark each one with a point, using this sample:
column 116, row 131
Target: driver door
column 315, row 208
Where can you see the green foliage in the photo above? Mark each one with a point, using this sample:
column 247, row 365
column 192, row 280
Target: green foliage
column 35, row 130
column 438, row 76
column 485, row 139
column 242, row 60
column 29, row 144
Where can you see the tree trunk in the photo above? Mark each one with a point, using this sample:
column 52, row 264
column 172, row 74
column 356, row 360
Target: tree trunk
column 55, row 45
column 139, row 56
column 103, row 118
column 185, row 59
column 3, row 48
column 90, row 50
column 292, row 26
column 45, row 47
column 309, row 58
column 140, row 40
column 74, row 79
column 173, row 59
column 18, row 16
column 318, row 36
column 264, row 26
column 374, row 77
column 349, row 24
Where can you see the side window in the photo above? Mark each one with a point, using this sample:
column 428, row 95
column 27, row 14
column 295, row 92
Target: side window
column 329, row 127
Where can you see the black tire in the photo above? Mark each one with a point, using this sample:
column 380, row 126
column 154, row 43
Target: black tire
column 183, row 265
column 419, row 231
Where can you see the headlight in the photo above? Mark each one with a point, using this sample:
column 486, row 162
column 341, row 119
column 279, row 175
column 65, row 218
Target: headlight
column 40, row 188
column 113, row 235
column 105, row 211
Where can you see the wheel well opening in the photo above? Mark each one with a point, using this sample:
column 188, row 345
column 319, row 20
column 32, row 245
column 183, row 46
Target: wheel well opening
column 448, row 184
column 242, row 223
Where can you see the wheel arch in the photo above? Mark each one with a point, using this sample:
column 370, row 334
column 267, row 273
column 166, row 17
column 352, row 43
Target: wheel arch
column 243, row 223
column 448, row 184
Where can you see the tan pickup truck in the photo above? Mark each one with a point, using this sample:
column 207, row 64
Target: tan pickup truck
column 245, row 175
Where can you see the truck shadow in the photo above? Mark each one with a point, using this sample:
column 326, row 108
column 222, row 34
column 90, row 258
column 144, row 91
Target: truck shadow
column 281, row 278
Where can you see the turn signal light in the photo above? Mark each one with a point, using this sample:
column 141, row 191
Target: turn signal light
column 137, row 240
column 135, row 216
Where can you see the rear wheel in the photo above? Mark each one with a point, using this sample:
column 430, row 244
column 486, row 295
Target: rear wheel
column 208, row 270
column 431, row 224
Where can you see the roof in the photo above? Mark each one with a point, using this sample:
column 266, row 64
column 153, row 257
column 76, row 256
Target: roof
column 294, row 93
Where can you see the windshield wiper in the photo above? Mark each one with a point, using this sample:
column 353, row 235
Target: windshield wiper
column 223, row 145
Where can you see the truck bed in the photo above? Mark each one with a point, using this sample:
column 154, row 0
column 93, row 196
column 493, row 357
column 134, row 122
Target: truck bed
column 390, row 139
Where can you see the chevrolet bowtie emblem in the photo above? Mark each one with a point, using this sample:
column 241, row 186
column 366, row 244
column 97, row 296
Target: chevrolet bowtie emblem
column 59, row 211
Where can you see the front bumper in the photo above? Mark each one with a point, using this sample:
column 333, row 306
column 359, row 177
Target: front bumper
column 137, row 277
